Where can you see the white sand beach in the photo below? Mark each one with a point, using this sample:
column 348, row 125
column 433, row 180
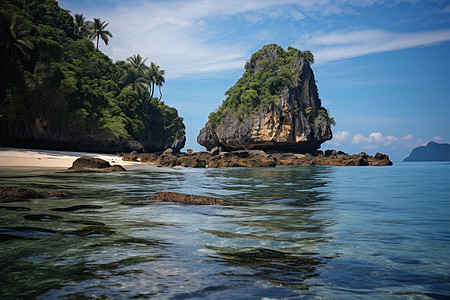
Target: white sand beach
column 17, row 158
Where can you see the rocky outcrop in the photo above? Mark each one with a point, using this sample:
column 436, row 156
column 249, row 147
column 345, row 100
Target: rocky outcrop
column 217, row 158
column 94, row 164
column 431, row 152
column 187, row 199
column 294, row 120
column 13, row 192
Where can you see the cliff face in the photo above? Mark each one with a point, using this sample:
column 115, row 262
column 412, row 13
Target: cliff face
column 47, row 137
column 431, row 152
column 291, row 120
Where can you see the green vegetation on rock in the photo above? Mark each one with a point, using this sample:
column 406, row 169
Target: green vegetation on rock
column 262, row 82
column 55, row 83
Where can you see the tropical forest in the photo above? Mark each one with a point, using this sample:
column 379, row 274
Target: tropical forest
column 59, row 91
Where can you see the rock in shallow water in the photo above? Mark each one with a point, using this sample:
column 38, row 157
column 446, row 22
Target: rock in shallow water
column 187, row 199
column 259, row 158
column 13, row 192
column 93, row 164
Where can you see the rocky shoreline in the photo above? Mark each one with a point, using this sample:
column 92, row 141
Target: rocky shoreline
column 217, row 158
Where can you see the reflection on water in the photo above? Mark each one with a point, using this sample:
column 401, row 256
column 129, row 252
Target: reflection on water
column 300, row 231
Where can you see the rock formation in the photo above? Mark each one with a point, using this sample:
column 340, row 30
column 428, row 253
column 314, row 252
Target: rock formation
column 431, row 152
column 14, row 192
column 275, row 105
column 187, row 199
column 216, row 158
column 93, row 164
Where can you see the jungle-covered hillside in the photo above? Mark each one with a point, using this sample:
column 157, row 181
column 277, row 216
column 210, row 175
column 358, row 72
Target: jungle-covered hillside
column 59, row 91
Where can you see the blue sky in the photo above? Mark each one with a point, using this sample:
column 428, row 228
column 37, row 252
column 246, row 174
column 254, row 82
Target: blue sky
column 382, row 67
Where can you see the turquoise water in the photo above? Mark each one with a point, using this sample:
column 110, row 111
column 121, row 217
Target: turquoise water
column 314, row 232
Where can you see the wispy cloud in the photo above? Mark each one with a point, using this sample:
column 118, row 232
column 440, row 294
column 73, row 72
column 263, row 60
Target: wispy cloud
column 341, row 45
column 200, row 37
column 446, row 9
column 377, row 140
column 188, row 37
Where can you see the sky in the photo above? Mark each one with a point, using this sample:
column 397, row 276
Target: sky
column 382, row 66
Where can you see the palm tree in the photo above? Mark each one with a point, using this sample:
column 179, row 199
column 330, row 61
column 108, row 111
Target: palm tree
column 159, row 81
column 14, row 38
column 133, row 80
column 155, row 76
column 79, row 25
column 137, row 63
column 99, row 31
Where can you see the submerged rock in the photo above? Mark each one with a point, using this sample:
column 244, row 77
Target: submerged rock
column 187, row 199
column 13, row 192
column 94, row 164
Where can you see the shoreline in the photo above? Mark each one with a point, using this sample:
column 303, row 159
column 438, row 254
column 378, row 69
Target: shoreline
column 21, row 158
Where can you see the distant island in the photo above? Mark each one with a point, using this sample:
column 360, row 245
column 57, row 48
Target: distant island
column 431, row 152
column 58, row 91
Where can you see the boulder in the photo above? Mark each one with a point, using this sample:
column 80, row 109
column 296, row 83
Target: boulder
column 116, row 168
column 13, row 192
column 379, row 159
column 148, row 157
column 168, row 152
column 93, row 164
column 133, row 156
column 215, row 150
column 187, row 199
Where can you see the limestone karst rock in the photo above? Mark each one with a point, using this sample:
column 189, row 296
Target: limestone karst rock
column 275, row 105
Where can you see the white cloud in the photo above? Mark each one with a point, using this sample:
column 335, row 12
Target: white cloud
column 341, row 45
column 437, row 138
column 202, row 37
column 341, row 136
column 377, row 139
column 186, row 37
column 359, row 139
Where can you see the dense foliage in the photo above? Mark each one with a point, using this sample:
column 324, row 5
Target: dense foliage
column 262, row 82
column 53, row 78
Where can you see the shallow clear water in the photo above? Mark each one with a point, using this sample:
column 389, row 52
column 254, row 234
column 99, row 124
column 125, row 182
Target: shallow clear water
column 318, row 232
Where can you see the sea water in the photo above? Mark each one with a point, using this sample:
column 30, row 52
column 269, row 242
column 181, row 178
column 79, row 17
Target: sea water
column 320, row 232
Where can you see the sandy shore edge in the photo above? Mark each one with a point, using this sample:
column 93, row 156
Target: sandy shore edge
column 17, row 158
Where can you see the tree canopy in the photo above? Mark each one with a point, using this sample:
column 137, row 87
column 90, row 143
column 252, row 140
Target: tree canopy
column 54, row 82
column 262, row 82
